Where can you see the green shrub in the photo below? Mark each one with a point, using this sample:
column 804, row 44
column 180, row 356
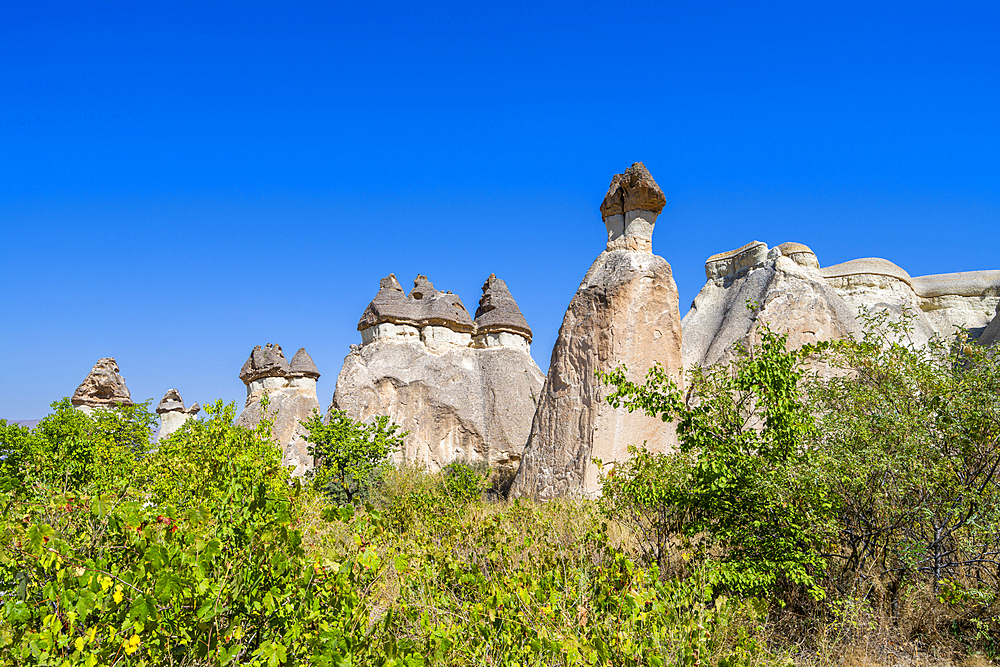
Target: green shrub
column 912, row 439
column 73, row 450
column 746, row 480
column 464, row 481
column 349, row 457
column 201, row 460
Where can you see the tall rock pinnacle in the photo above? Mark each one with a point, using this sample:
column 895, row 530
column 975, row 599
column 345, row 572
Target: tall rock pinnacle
column 625, row 312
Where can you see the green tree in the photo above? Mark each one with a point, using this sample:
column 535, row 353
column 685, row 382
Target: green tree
column 348, row 455
column 79, row 451
column 912, row 434
column 746, row 482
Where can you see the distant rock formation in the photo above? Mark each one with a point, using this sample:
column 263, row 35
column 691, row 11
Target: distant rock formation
column 464, row 389
column 795, row 296
column 291, row 393
column 787, row 292
column 103, row 387
column 941, row 303
column 625, row 312
column 173, row 414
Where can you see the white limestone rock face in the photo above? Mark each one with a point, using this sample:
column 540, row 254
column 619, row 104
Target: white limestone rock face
column 991, row 335
column 460, row 404
column 291, row 393
column 624, row 312
column 790, row 296
column 809, row 303
column 940, row 304
column 458, row 399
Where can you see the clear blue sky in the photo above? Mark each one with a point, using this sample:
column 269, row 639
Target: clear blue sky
column 182, row 181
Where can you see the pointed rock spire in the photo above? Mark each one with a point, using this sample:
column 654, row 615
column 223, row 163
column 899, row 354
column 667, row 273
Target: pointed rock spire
column 103, row 386
column 172, row 402
column 498, row 311
column 302, row 365
column 422, row 287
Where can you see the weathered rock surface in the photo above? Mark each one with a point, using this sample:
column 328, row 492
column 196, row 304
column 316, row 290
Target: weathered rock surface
column 462, row 393
column 790, row 296
column 630, row 208
column 624, row 312
column 499, row 321
column 809, row 303
column 940, row 303
column 173, row 414
column 103, row 387
column 991, row 335
column 291, row 393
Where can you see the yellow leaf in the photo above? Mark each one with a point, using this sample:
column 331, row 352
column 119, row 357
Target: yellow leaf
column 118, row 594
column 80, row 643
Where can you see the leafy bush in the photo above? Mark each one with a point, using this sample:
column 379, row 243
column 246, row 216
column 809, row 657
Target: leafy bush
column 349, row 456
column 912, row 439
column 465, row 481
column 746, row 480
column 72, row 450
column 200, row 462
column 223, row 583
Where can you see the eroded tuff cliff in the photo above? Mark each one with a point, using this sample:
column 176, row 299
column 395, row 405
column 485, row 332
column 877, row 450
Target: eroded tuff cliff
column 793, row 294
column 464, row 389
column 624, row 312
column 784, row 290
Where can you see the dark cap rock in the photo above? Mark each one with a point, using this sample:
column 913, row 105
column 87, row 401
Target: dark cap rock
column 264, row 362
column 302, row 365
column 633, row 190
column 171, row 402
column 498, row 311
column 102, row 386
column 422, row 306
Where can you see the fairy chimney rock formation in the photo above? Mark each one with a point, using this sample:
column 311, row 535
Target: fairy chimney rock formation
column 499, row 322
column 630, row 208
column 103, row 387
column 464, row 389
column 291, row 394
column 625, row 312
column 426, row 314
column 173, row 414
